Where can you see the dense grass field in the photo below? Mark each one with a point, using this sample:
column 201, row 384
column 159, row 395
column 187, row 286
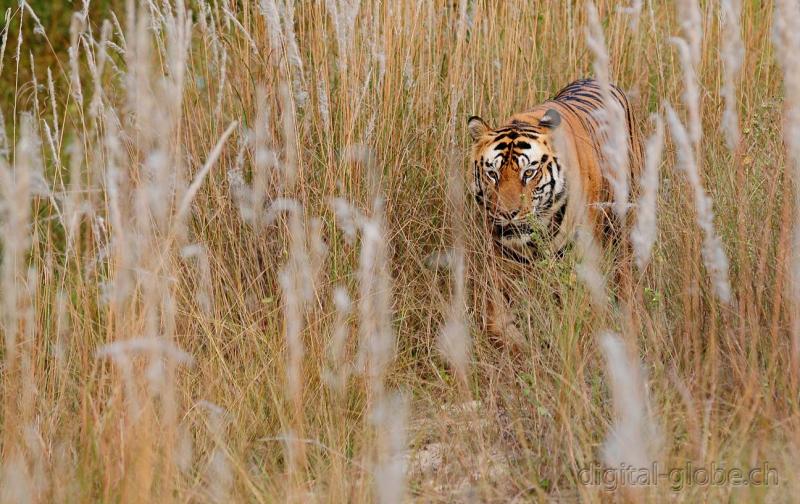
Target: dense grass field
column 240, row 264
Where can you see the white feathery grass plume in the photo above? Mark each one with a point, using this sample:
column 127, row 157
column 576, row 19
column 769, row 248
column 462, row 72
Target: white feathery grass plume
column 16, row 484
column 265, row 160
column 222, row 81
column 588, row 269
column 97, row 63
column 4, row 41
column 291, row 167
column 219, row 53
column 205, row 20
column 634, row 439
column 61, row 346
column 269, row 10
column 296, row 282
column 306, row 253
column 732, row 53
column 323, row 102
column 119, row 32
column 35, row 85
column 28, row 310
column 390, row 416
column 38, row 461
column 51, row 143
column 283, row 40
column 297, row 279
column 786, row 39
column 388, row 413
column 116, row 188
column 377, row 50
column 337, row 371
column 219, row 477
column 74, row 202
column 714, row 257
column 194, row 187
column 240, row 191
column 15, row 192
column 377, row 338
column 54, row 108
column 38, row 29
column 408, row 73
column 218, row 474
column 343, row 13
column 76, row 28
column 691, row 21
column 162, row 356
column 178, row 28
column 184, row 449
column 612, row 118
column 634, row 10
column 453, row 340
column 691, row 90
column 317, row 249
column 232, row 19
column 123, row 350
column 203, row 293
column 645, row 230
column 20, row 469
column 293, row 55
column 348, row 217
column 4, row 145
column 19, row 37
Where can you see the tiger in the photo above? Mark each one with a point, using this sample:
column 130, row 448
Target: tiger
column 544, row 173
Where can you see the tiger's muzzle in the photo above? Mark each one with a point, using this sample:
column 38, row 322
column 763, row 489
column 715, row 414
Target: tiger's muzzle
column 504, row 229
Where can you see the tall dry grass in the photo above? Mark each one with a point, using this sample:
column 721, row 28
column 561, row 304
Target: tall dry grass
column 238, row 265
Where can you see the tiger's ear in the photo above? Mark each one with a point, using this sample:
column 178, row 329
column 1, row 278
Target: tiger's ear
column 477, row 127
column 551, row 119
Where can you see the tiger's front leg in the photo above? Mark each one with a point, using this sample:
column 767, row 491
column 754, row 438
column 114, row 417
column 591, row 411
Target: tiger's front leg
column 499, row 321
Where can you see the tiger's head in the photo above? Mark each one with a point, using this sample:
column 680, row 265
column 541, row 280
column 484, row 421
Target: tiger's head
column 516, row 174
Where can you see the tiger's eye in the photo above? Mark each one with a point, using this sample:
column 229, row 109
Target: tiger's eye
column 528, row 173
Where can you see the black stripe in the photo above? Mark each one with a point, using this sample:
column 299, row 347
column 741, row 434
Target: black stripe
column 558, row 218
